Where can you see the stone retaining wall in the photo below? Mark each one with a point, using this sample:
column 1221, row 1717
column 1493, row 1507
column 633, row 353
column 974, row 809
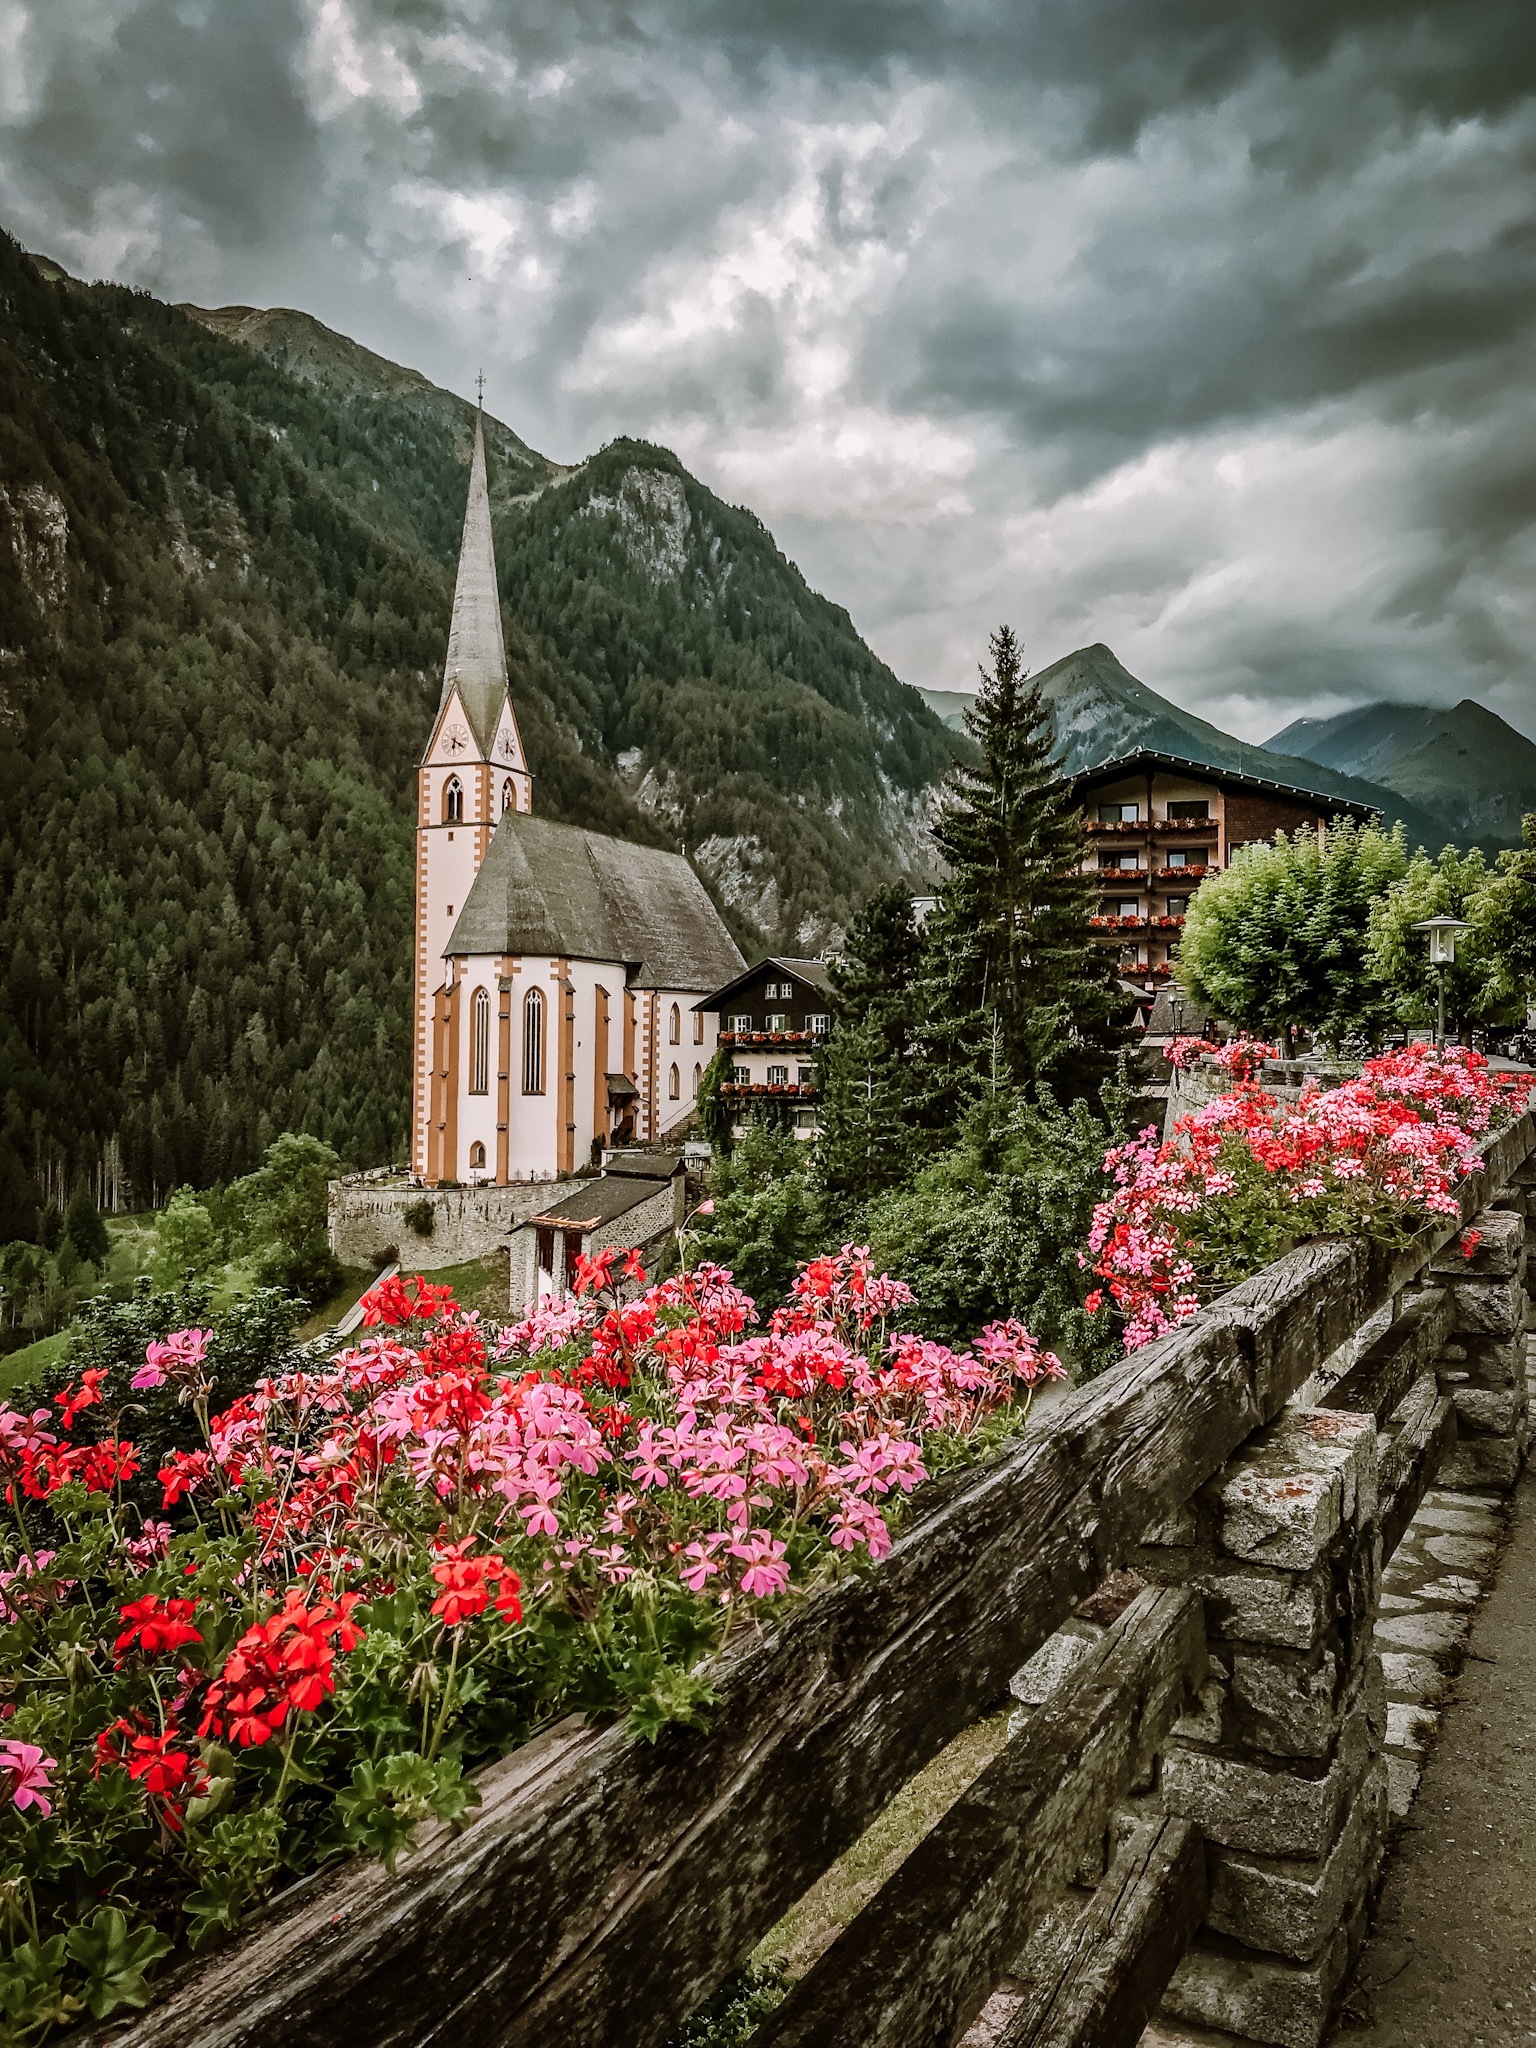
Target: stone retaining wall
column 367, row 1219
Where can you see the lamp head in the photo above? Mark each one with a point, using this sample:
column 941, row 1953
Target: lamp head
column 1443, row 933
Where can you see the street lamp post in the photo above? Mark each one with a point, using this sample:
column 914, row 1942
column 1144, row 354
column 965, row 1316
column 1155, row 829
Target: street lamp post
column 1443, row 934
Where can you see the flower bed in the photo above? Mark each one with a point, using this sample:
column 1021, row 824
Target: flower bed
column 383, row 1569
column 1246, row 1177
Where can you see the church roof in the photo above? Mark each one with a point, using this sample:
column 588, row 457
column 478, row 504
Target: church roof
column 477, row 654
column 556, row 889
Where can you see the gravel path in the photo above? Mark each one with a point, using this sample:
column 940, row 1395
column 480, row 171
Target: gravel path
column 1452, row 1960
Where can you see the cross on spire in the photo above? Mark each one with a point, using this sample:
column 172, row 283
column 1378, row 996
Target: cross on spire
column 480, row 389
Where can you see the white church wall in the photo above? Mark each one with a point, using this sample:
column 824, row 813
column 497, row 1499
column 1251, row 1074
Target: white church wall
column 477, row 1116
column 533, row 1120
column 684, row 1052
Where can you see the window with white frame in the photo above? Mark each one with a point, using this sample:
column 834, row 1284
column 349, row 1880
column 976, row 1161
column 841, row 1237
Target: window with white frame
column 819, row 1022
column 778, row 1077
column 805, row 1075
column 739, row 1023
column 777, row 1021
column 742, row 1076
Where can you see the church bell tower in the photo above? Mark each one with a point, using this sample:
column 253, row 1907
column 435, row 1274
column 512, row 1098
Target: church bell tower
column 473, row 770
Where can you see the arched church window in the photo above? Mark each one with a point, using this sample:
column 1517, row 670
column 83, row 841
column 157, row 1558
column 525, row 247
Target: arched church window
column 674, row 1082
column 533, row 1042
column 453, row 802
column 477, row 1154
column 480, row 1045
column 698, row 1027
column 508, row 797
column 675, row 1026
column 698, row 1077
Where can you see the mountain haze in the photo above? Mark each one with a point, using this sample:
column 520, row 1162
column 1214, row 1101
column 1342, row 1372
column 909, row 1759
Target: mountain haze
column 1462, row 763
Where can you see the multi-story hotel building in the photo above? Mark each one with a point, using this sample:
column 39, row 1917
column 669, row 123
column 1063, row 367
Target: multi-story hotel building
column 1157, row 825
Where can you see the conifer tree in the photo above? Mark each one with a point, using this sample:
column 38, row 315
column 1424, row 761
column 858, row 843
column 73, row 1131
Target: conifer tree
column 84, row 1228
column 868, row 1100
column 1017, row 990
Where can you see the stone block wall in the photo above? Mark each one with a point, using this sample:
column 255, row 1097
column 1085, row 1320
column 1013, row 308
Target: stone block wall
column 1482, row 1367
column 367, row 1217
column 1280, row 1764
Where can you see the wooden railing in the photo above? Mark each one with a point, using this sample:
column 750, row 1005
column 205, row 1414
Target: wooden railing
column 604, row 1887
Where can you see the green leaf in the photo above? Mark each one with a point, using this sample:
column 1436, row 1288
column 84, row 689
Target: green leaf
column 29, row 1984
column 114, row 1959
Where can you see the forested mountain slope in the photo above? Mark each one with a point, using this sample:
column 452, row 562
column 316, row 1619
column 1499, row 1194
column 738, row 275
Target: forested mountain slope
column 224, row 601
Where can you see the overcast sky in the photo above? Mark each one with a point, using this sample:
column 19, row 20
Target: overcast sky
column 1200, row 327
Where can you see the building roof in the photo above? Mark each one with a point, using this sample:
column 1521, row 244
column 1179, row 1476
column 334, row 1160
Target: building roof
column 595, row 1202
column 652, row 1166
column 578, row 895
column 1148, row 757
column 813, row 971
column 477, row 657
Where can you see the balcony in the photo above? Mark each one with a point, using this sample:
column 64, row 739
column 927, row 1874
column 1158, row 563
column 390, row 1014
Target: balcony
column 804, row 1090
column 1120, row 878
column 1135, row 828
column 1119, row 924
column 1165, row 924
column 1171, row 877
column 1184, row 828
column 771, row 1037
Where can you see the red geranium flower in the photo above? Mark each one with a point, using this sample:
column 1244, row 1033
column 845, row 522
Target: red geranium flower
column 156, row 1625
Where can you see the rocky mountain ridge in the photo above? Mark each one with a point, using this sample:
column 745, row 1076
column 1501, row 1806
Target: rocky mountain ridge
column 1461, row 762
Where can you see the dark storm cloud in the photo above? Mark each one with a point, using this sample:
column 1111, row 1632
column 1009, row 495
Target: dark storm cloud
column 1202, row 329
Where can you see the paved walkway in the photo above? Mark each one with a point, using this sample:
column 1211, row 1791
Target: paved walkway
column 1452, row 1959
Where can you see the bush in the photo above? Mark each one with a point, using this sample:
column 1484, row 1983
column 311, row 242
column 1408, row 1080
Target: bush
column 250, row 1339
column 279, row 1217
column 768, row 1215
column 421, row 1217
column 993, row 1227
column 187, row 1244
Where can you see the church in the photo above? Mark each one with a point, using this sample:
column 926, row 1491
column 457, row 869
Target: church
column 557, row 971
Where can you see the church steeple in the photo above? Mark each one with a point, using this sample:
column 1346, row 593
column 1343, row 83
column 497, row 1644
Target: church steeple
column 473, row 772
column 477, row 655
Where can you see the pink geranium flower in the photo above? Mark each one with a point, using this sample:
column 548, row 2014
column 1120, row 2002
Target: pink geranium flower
column 29, row 1768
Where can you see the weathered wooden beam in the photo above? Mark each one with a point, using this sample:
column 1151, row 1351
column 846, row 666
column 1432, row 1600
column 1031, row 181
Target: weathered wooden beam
column 1102, row 1979
column 921, row 1959
column 1412, row 1458
column 605, row 1876
column 1383, row 1374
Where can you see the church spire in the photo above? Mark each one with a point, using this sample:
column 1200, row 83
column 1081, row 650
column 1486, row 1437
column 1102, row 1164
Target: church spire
column 477, row 656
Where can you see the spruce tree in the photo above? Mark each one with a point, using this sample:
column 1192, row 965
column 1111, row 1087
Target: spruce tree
column 1018, row 992
column 84, row 1228
column 868, row 1101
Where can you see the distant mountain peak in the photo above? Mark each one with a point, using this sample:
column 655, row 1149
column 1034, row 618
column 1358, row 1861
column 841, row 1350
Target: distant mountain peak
column 1470, row 770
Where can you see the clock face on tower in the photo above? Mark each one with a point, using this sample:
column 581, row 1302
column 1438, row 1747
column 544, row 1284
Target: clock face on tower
column 455, row 739
column 507, row 747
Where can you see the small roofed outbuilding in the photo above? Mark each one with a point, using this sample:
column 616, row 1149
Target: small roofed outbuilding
column 634, row 1204
column 560, row 890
